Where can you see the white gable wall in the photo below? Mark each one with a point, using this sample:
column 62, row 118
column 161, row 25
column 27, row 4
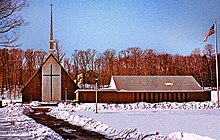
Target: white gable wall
column 112, row 84
column 46, row 80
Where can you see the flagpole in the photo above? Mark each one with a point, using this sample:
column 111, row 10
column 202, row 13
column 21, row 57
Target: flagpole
column 216, row 58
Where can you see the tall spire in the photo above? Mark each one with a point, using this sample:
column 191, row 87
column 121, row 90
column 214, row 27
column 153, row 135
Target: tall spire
column 51, row 50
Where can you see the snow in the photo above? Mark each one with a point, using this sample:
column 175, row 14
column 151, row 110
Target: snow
column 185, row 136
column 15, row 125
column 159, row 121
column 141, row 120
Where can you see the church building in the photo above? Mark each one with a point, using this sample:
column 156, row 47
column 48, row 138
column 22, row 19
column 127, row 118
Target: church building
column 51, row 82
column 152, row 89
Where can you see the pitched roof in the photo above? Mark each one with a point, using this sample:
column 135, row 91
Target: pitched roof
column 156, row 83
column 51, row 55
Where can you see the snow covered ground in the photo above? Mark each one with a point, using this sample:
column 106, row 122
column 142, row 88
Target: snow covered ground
column 159, row 121
column 15, row 125
column 178, row 121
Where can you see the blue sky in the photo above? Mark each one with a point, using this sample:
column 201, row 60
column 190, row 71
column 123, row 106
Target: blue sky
column 171, row 26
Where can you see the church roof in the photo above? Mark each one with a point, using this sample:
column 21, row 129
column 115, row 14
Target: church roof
column 155, row 83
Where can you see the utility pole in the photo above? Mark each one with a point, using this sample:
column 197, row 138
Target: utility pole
column 96, row 95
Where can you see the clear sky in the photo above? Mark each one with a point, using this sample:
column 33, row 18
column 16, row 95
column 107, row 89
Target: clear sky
column 171, row 26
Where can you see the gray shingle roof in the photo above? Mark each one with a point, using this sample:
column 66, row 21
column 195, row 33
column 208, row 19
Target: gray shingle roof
column 156, row 83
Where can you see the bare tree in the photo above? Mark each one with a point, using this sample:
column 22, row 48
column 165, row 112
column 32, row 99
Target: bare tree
column 135, row 56
column 149, row 62
column 108, row 65
column 10, row 20
column 205, row 72
column 67, row 65
column 123, row 58
column 210, row 56
column 19, row 58
column 209, row 51
column 86, row 60
column 30, row 63
column 99, row 64
column 196, row 64
column 40, row 57
column 75, row 60
column 59, row 54
column 109, row 58
column 4, row 58
column 180, row 66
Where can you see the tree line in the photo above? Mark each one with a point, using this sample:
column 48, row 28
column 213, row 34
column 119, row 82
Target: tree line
column 17, row 66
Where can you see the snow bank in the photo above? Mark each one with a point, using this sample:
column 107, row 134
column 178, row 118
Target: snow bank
column 186, row 136
column 99, row 127
column 21, row 125
column 138, row 106
column 66, row 112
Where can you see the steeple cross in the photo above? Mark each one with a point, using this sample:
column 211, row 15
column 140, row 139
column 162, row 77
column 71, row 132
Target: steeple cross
column 51, row 80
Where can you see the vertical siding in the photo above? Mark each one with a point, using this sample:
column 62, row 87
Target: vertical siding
column 129, row 97
column 151, row 100
column 203, row 96
column 175, row 96
column 69, row 84
column 32, row 91
column 166, row 97
column 183, row 97
column 161, row 97
column 170, row 97
column 145, row 97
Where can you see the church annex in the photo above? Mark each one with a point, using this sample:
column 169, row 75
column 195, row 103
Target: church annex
column 129, row 89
